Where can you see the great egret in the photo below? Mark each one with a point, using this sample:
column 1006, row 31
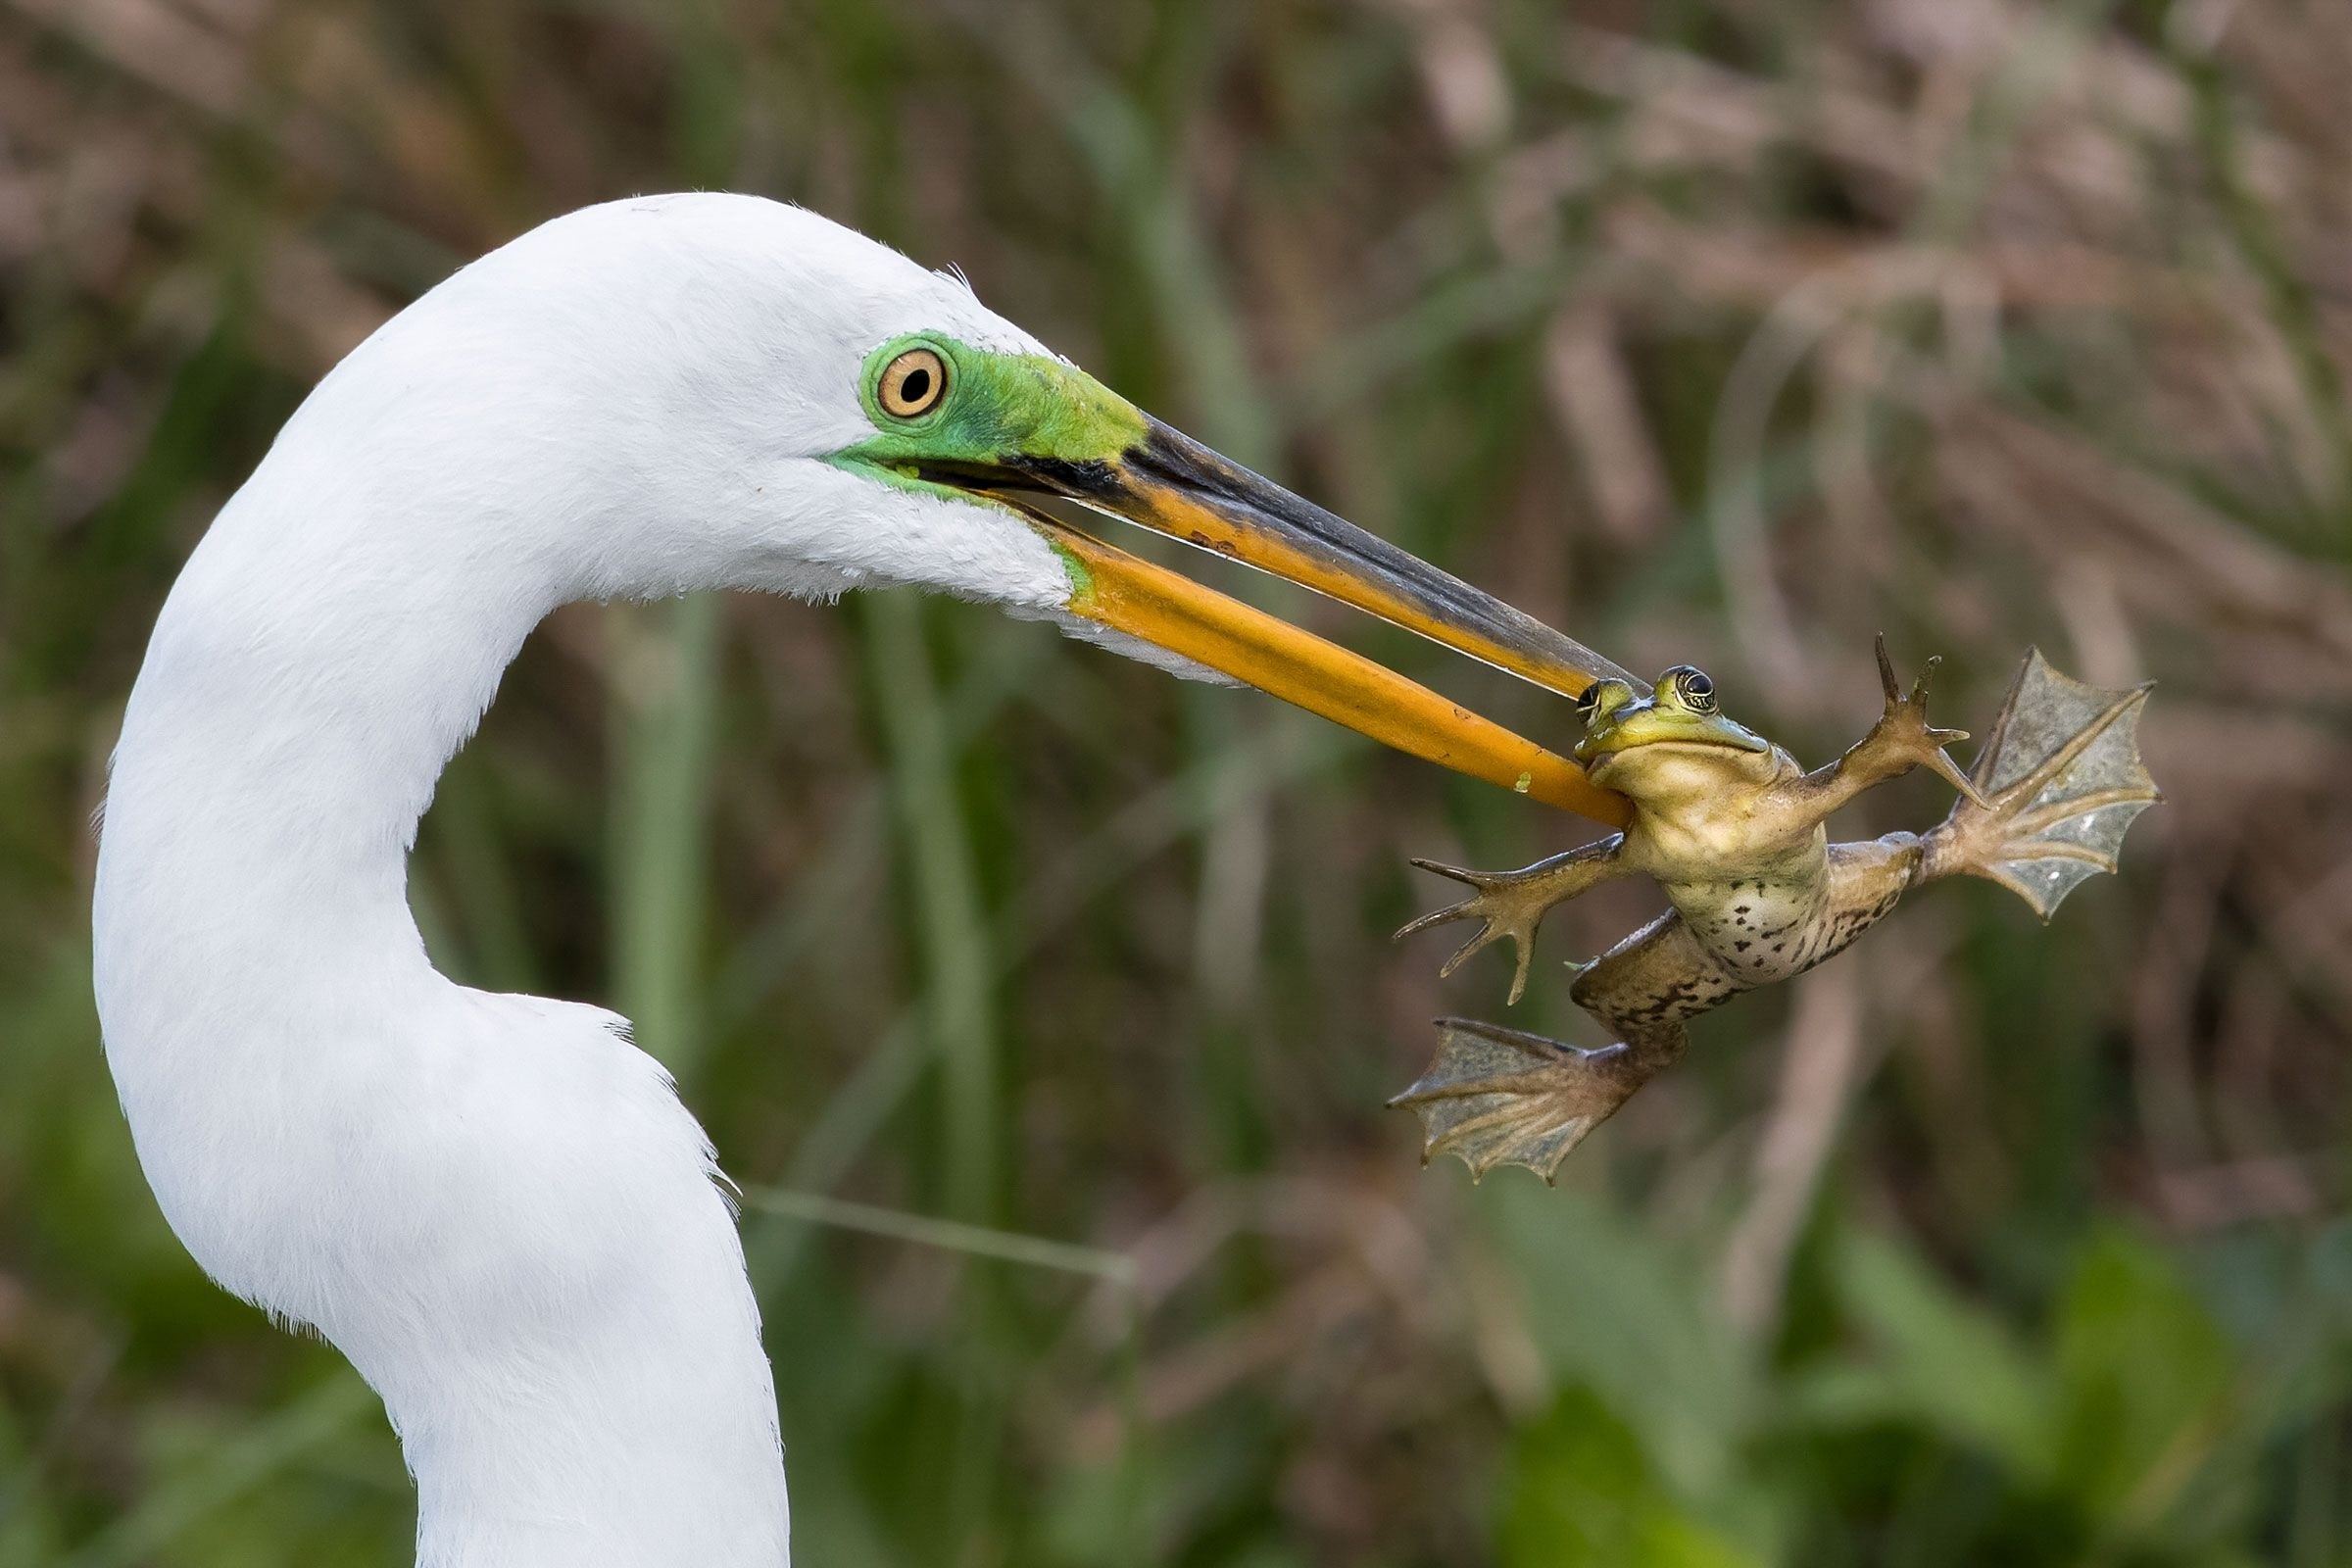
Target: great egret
column 495, row 1206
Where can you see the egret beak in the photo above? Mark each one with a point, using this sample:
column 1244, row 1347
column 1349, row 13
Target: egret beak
column 1172, row 484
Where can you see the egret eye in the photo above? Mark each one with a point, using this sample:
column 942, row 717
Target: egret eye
column 912, row 385
column 1696, row 689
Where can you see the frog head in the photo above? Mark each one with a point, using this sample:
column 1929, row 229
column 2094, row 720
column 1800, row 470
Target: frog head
column 1670, row 746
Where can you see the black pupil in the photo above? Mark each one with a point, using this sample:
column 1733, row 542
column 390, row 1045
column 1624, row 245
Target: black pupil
column 1584, row 704
column 1698, row 686
column 916, row 386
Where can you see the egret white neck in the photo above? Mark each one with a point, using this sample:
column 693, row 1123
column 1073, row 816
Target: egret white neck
column 495, row 1206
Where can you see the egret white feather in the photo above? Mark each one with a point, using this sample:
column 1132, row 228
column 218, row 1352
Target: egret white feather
column 495, row 1206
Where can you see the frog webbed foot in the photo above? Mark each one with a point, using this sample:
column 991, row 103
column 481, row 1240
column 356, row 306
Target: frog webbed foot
column 1499, row 1096
column 1903, row 739
column 2059, row 782
column 1512, row 903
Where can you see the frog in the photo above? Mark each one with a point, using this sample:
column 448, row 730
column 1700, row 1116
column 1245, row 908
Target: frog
column 1736, row 833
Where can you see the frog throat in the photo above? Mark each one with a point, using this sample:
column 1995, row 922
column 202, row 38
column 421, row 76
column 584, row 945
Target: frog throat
column 1719, row 734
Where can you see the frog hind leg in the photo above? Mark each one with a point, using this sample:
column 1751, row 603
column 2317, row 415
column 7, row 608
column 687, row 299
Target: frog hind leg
column 2061, row 780
column 1502, row 1096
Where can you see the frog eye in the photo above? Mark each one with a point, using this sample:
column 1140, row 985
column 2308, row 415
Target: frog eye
column 1694, row 688
column 1602, row 698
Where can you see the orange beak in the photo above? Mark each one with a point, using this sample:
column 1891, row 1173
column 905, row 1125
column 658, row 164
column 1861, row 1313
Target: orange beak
column 1174, row 486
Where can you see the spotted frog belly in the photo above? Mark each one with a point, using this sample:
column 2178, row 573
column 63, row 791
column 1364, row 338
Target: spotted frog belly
column 1767, row 928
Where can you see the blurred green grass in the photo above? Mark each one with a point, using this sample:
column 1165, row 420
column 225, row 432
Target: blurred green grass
column 1708, row 330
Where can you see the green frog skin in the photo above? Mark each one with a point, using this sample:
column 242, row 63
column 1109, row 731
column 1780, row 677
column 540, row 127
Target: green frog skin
column 1733, row 831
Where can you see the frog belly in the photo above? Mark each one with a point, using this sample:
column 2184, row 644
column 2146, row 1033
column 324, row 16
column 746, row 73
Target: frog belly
column 1764, row 929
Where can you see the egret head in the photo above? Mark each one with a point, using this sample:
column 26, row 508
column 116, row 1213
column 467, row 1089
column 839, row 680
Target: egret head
column 828, row 414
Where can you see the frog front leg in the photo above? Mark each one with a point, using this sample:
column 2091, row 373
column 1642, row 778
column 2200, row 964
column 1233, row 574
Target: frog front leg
column 1901, row 740
column 1512, row 903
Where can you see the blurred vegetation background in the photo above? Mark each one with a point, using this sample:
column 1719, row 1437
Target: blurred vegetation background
column 1043, row 1006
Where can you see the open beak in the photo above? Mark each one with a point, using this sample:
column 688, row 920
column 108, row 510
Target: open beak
column 1172, row 484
